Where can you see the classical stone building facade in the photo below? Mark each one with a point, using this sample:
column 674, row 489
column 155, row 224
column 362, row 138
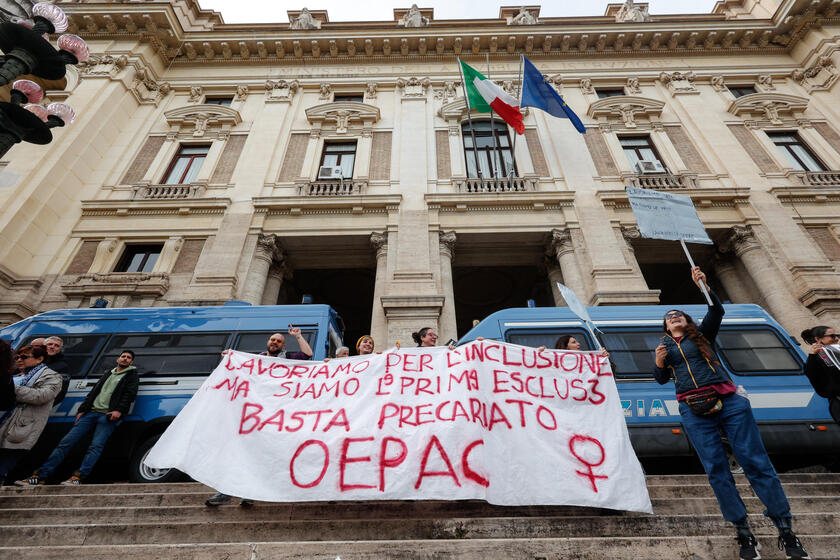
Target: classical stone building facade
column 215, row 161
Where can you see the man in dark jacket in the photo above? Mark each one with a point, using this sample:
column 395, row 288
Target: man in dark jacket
column 56, row 362
column 102, row 411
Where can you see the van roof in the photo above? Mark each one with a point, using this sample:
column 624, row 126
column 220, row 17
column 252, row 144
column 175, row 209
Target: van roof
column 201, row 311
column 608, row 314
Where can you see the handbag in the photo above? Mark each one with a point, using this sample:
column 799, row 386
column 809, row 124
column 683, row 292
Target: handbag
column 704, row 402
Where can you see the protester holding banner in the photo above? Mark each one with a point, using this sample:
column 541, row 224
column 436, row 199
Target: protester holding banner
column 365, row 345
column 822, row 366
column 709, row 403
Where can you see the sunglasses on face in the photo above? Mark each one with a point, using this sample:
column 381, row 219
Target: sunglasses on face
column 832, row 336
column 673, row 314
column 23, row 357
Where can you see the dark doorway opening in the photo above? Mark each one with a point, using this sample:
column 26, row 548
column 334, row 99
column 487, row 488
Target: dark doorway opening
column 674, row 282
column 349, row 291
column 482, row 290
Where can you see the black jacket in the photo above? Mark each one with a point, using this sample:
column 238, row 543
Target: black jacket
column 124, row 393
column 7, row 392
column 824, row 378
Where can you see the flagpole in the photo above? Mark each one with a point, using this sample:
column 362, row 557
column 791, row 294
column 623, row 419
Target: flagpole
column 519, row 98
column 493, row 132
column 469, row 119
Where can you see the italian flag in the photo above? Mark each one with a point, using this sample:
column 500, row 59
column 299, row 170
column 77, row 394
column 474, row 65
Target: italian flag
column 484, row 95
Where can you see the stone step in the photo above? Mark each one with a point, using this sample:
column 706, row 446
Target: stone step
column 720, row 546
column 38, row 515
column 131, row 488
column 122, row 495
column 222, row 530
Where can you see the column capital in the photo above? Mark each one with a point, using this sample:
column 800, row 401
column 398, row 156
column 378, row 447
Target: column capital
column 447, row 242
column 742, row 240
column 631, row 234
column 280, row 271
column 379, row 241
column 268, row 248
column 561, row 241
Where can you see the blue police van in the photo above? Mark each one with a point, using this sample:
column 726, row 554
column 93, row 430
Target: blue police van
column 176, row 348
column 754, row 349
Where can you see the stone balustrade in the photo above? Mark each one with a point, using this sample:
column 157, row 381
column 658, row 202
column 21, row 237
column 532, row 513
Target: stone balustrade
column 820, row 178
column 347, row 187
column 167, row 192
column 661, row 181
column 494, row 185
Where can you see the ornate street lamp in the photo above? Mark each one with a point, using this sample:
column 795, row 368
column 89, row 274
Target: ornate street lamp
column 28, row 51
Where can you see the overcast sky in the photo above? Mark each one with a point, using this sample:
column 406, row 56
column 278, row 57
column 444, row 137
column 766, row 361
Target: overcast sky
column 273, row 11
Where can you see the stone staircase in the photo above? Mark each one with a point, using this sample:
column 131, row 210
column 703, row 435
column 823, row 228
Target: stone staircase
column 170, row 521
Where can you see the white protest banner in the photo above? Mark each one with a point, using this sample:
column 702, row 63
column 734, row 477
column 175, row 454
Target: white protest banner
column 508, row 424
column 662, row 215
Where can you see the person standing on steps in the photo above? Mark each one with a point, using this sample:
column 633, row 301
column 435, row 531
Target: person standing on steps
column 821, row 369
column 104, row 408
column 709, row 403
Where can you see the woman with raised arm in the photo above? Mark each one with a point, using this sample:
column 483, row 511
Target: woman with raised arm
column 709, row 404
column 821, row 370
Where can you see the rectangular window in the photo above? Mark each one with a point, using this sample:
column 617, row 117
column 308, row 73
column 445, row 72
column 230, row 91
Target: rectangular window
column 256, row 342
column 341, row 155
column 348, row 97
column 638, row 148
column 222, row 100
column 78, row 351
column 164, row 354
column 740, row 91
column 796, row 152
column 604, row 93
column 185, row 165
column 493, row 148
column 632, row 352
column 139, row 258
column 548, row 339
column 756, row 351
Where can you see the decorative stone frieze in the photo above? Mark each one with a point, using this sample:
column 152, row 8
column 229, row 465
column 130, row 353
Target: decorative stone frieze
column 448, row 92
column 343, row 114
column 414, row 87
column 817, row 77
column 241, row 93
column 766, row 82
column 719, row 83
column 203, row 118
column 105, row 65
column 770, row 106
column 196, row 93
column 281, row 91
column 413, row 17
column 586, row 86
column 325, row 91
column 626, row 108
column 132, row 284
column 679, row 83
column 370, row 90
column 146, row 89
column 633, row 86
column 527, row 15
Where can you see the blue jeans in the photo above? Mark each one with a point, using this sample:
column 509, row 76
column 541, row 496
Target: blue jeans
column 103, row 428
column 737, row 421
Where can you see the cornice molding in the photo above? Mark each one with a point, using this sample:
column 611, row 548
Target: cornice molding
column 500, row 202
column 769, row 105
column 201, row 37
column 343, row 114
column 702, row 197
column 203, row 117
column 301, row 205
column 180, row 207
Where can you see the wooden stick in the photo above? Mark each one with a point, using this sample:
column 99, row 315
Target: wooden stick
column 691, row 262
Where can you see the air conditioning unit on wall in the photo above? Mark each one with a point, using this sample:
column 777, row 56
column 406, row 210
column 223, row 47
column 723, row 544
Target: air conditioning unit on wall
column 647, row 166
column 329, row 172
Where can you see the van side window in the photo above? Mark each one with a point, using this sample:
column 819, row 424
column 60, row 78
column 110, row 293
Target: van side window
column 547, row 338
column 78, row 351
column 254, row 342
column 166, row 353
column 632, row 352
column 756, row 350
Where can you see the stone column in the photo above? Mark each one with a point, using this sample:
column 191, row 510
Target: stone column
column 727, row 272
column 258, row 271
column 276, row 273
column 378, row 326
column 555, row 275
column 564, row 252
column 448, row 325
column 786, row 309
column 630, row 234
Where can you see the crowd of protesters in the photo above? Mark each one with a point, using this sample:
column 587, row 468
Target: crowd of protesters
column 714, row 411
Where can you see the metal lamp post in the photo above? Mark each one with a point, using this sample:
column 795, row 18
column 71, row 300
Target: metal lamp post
column 27, row 50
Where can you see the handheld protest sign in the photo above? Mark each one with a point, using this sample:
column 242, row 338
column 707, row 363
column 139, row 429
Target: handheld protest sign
column 662, row 215
column 576, row 306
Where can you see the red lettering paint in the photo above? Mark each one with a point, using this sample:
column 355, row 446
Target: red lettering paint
column 386, row 462
column 594, row 391
column 496, row 416
column 298, row 451
column 521, row 405
column 339, row 419
column 394, row 410
column 543, row 411
column 344, row 460
column 465, row 465
column 248, row 416
column 425, row 459
column 590, row 473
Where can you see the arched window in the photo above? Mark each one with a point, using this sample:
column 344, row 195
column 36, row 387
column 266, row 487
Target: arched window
column 487, row 152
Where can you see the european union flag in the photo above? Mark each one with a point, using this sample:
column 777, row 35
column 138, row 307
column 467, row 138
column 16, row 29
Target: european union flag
column 538, row 93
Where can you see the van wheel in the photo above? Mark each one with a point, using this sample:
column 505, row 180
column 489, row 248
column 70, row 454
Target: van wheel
column 138, row 472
